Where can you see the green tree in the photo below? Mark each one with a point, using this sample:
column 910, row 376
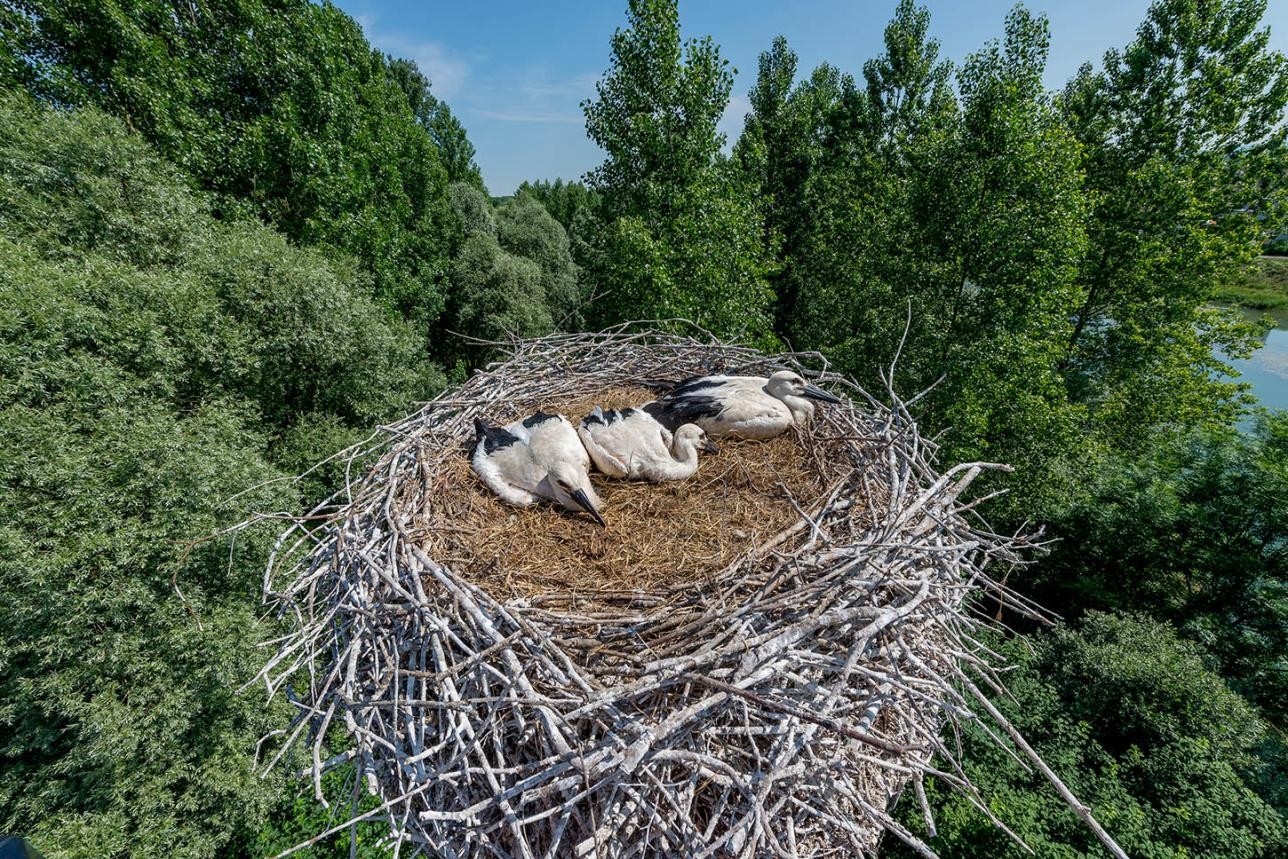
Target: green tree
column 280, row 107
column 678, row 231
column 779, row 151
column 563, row 200
column 454, row 147
column 497, row 294
column 969, row 215
column 860, row 255
column 154, row 362
column 526, row 229
column 1143, row 732
column 1192, row 533
column 1004, row 205
column 1169, row 130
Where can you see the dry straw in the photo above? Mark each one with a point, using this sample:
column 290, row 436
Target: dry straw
column 754, row 663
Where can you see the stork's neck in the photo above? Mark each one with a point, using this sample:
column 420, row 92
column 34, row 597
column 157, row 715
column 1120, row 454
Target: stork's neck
column 684, row 460
column 802, row 409
column 685, row 452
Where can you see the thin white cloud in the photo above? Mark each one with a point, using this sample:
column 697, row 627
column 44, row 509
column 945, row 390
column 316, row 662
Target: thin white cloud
column 575, row 88
column 529, row 116
column 446, row 70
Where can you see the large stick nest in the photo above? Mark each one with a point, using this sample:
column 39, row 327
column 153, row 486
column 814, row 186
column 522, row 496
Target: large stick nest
column 754, row 662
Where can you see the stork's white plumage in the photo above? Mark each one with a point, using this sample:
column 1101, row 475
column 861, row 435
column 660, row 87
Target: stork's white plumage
column 535, row 459
column 631, row 443
column 741, row 406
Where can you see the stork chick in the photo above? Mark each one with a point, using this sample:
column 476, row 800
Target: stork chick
column 741, row 406
column 539, row 458
column 631, row 443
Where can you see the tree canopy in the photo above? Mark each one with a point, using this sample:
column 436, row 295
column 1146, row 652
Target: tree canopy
column 235, row 236
column 159, row 368
column 677, row 233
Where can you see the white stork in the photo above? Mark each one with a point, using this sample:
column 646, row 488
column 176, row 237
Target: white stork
column 741, row 406
column 535, row 459
column 631, row 443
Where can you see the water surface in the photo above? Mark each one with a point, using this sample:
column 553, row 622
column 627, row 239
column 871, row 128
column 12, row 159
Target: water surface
column 1267, row 369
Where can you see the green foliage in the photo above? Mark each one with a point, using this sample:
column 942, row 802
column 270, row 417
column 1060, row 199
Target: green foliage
column 248, row 315
column 1140, row 729
column 563, row 200
column 677, row 233
column 454, row 147
column 281, row 108
column 656, row 110
column 153, row 363
column 497, row 294
column 299, row 817
column 780, row 145
column 993, row 187
column 1193, row 534
column 1172, row 131
column 526, row 229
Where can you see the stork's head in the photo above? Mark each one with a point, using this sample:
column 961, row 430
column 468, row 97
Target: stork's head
column 798, row 394
column 692, row 436
column 573, row 490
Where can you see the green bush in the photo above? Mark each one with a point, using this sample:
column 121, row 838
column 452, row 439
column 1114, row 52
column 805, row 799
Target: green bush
column 1140, row 729
column 1192, row 534
column 154, row 363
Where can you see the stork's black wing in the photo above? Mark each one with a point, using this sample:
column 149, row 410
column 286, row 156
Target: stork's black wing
column 492, row 438
column 674, row 412
column 694, row 384
column 607, row 418
column 538, row 418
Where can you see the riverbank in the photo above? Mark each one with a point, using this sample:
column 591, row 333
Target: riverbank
column 1265, row 288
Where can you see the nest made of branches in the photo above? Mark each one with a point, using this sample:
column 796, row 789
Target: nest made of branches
column 760, row 676
column 657, row 535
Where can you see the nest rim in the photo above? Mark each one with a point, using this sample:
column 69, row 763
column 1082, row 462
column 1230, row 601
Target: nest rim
column 590, row 704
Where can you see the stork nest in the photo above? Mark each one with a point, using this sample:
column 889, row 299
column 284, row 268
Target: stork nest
column 671, row 533
column 753, row 662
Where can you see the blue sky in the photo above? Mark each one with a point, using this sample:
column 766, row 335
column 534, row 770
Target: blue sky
column 516, row 72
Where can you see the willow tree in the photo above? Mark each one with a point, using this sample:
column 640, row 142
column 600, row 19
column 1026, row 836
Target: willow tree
column 1176, row 130
column 162, row 371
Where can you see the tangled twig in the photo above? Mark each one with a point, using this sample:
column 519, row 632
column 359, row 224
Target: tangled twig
column 775, row 709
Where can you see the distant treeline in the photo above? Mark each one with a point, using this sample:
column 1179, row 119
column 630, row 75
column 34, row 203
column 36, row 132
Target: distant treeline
column 234, row 237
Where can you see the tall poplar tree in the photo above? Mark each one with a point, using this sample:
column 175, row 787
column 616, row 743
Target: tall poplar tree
column 678, row 233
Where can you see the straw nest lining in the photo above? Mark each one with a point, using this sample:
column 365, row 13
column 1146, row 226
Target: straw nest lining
column 768, row 699
column 660, row 535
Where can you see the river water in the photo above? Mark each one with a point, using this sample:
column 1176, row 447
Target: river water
column 1267, row 369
